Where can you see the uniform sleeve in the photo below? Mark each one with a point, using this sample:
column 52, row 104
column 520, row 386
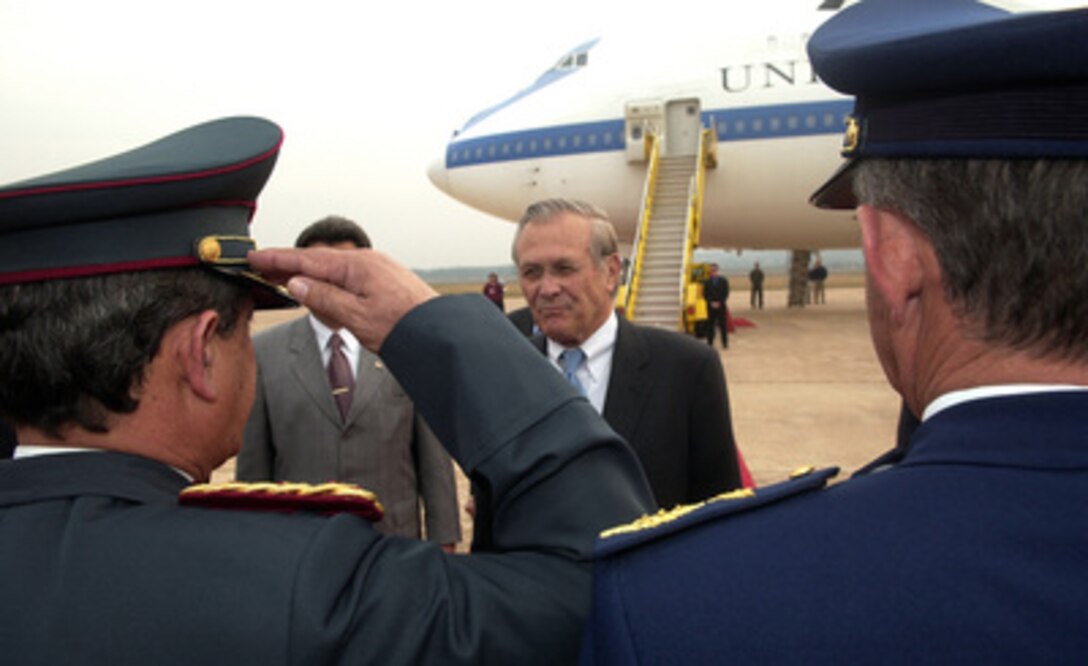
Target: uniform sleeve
column 558, row 475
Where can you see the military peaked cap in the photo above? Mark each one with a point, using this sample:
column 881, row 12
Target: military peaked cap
column 184, row 200
column 954, row 79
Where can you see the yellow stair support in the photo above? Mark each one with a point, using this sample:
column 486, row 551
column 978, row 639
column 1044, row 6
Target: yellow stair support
column 660, row 287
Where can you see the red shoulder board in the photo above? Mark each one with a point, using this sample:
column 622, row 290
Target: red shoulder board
column 285, row 497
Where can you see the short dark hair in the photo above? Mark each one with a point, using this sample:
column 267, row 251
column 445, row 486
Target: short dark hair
column 1011, row 238
column 73, row 351
column 333, row 230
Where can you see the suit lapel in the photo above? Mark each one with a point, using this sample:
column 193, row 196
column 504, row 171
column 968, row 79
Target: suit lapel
column 369, row 375
column 631, row 382
column 308, row 369
column 540, row 342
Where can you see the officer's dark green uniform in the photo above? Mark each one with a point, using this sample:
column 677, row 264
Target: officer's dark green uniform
column 103, row 566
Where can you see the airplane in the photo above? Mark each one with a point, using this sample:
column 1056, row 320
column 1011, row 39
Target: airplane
column 578, row 131
column 742, row 79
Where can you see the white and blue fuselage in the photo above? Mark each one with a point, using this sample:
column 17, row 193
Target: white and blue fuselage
column 577, row 131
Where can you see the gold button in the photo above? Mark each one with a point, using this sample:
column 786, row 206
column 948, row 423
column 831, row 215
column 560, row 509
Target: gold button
column 209, row 250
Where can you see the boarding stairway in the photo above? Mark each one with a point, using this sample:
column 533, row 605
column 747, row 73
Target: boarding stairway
column 658, row 302
column 659, row 286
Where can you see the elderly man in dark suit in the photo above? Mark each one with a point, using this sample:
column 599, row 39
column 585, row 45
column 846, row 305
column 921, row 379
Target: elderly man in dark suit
column 967, row 171
column 662, row 391
column 297, row 430
column 126, row 290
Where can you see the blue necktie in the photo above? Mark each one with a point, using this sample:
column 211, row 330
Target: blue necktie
column 570, row 360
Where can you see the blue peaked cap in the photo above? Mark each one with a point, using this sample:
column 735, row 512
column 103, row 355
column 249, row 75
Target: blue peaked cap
column 954, row 79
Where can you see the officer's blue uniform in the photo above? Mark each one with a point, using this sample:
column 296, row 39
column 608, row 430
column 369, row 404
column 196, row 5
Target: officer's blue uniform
column 972, row 550
column 972, row 545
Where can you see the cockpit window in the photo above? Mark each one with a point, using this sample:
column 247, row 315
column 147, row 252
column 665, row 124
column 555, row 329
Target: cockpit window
column 572, row 60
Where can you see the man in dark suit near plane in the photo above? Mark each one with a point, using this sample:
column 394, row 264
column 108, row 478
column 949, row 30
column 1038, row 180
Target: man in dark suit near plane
column 662, row 391
column 968, row 159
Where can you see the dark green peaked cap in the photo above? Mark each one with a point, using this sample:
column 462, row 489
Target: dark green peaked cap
column 184, row 200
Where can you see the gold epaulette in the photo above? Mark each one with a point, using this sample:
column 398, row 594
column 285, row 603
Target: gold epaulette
column 283, row 496
column 664, row 516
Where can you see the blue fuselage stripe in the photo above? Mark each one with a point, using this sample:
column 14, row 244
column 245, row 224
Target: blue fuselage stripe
column 734, row 124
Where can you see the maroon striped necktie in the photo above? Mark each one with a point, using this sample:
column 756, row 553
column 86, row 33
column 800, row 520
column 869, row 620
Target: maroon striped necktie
column 340, row 377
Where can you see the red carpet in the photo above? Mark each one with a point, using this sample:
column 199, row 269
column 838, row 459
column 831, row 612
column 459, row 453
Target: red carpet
column 732, row 323
column 746, row 480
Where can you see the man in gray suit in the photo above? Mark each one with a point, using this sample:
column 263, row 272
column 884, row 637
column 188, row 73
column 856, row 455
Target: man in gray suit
column 296, row 431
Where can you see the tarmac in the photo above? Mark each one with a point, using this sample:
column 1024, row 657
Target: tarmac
column 804, row 384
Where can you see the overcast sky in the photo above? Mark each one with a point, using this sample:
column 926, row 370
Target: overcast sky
column 367, row 92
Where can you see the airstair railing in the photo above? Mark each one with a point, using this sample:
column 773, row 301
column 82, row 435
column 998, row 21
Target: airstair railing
column 627, row 297
column 705, row 158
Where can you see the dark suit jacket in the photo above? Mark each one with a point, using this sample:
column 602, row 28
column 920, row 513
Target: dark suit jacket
column 667, row 397
column 295, row 433
column 522, row 319
column 7, row 440
column 971, row 550
column 102, row 566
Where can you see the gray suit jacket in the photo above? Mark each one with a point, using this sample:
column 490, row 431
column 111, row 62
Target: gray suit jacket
column 295, row 433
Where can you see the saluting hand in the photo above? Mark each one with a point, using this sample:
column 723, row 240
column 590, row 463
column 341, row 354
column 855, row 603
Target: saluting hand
column 362, row 290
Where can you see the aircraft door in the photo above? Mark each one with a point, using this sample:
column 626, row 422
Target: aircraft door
column 682, row 127
column 641, row 118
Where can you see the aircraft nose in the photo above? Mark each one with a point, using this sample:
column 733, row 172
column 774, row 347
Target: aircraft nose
column 438, row 174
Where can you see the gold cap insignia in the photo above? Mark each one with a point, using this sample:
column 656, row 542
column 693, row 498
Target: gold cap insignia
column 224, row 250
column 209, row 250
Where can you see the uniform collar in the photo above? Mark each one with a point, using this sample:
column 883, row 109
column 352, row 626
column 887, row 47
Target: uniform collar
column 106, row 474
column 953, row 398
column 1038, row 429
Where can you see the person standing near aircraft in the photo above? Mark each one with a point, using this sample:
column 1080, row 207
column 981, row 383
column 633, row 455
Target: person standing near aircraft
column 135, row 374
column 755, row 279
column 493, row 291
column 716, row 295
column 817, row 275
column 967, row 162
column 299, row 429
column 663, row 392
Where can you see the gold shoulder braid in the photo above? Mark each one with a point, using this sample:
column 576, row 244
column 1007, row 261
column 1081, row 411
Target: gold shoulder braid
column 663, row 516
column 285, row 497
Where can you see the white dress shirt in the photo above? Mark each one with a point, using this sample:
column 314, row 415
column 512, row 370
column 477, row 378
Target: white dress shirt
column 597, row 368
column 351, row 345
